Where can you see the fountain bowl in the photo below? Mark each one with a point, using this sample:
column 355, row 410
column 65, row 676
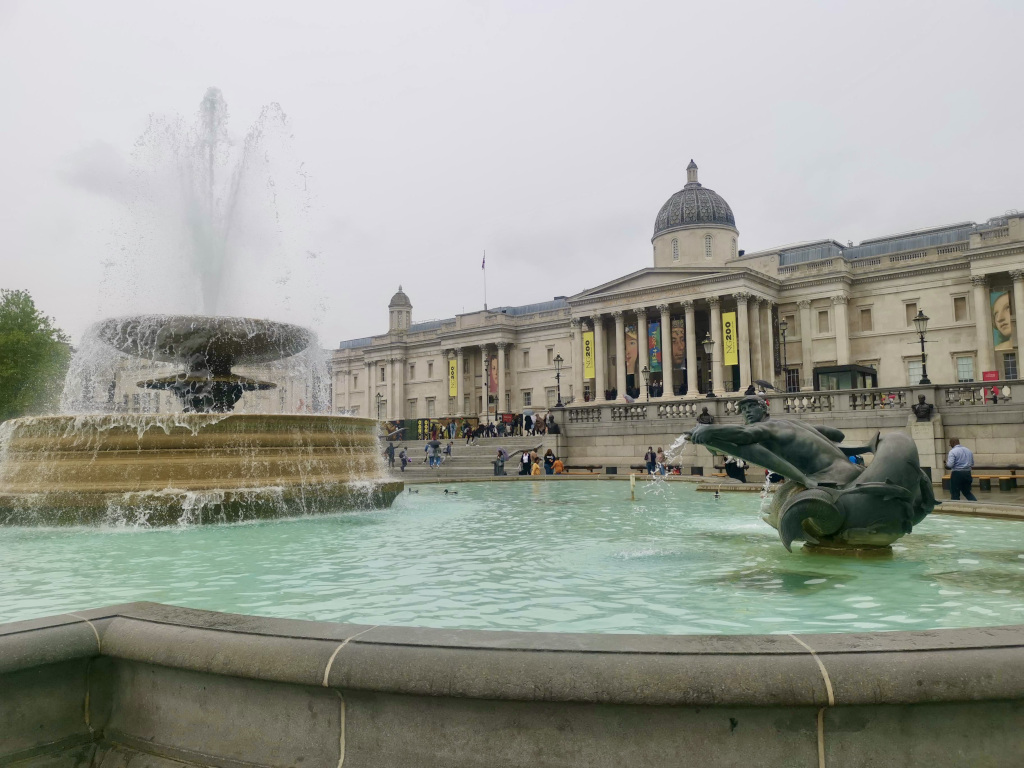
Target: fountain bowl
column 187, row 468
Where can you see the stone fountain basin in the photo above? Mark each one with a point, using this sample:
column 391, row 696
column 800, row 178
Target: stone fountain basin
column 72, row 470
column 157, row 685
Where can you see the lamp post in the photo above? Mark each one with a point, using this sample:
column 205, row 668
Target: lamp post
column 709, row 348
column 380, row 399
column 558, row 379
column 921, row 324
column 783, row 325
column 647, row 386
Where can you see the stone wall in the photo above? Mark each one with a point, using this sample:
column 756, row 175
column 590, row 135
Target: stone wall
column 144, row 684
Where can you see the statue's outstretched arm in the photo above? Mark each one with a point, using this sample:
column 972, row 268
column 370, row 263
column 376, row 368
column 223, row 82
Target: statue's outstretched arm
column 832, row 434
column 728, row 433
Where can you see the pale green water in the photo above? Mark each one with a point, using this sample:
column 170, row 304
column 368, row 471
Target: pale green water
column 568, row 557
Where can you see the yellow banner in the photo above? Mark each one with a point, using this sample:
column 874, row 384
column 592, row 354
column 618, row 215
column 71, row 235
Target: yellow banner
column 589, row 368
column 730, row 346
column 453, row 378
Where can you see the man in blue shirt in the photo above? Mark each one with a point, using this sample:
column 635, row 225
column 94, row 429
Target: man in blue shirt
column 959, row 461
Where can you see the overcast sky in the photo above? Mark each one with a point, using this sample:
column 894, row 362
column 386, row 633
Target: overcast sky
column 548, row 133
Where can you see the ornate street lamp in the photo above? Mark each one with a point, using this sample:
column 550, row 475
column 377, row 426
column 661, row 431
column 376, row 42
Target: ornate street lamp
column 558, row 379
column 921, row 324
column 783, row 325
column 380, row 399
column 646, row 373
column 709, row 348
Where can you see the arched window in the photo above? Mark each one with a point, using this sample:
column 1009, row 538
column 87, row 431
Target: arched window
column 707, row 246
column 675, row 249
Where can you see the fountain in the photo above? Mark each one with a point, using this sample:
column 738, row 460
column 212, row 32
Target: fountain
column 110, row 460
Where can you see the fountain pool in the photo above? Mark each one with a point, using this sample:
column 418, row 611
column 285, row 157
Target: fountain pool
column 551, row 557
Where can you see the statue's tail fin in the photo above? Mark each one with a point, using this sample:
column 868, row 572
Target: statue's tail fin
column 810, row 512
column 857, row 450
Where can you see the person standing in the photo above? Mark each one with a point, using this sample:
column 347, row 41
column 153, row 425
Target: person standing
column 960, row 461
column 404, row 457
column 549, row 462
column 390, row 453
column 650, row 459
column 524, row 465
column 659, row 461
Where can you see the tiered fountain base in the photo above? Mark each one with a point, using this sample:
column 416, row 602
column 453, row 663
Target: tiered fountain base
column 187, row 468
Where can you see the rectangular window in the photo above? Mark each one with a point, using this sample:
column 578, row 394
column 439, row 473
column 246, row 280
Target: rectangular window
column 508, row 403
column 465, row 366
column 1009, row 365
column 792, row 326
column 412, row 371
column 410, row 409
column 354, row 410
column 822, row 321
column 527, row 398
column 865, row 319
column 382, row 373
column 914, row 371
column 965, row 368
column 551, row 355
column 552, row 398
column 431, row 408
column 959, row 309
column 430, row 370
column 465, row 404
column 792, row 379
column 355, row 381
column 526, row 358
column 911, row 309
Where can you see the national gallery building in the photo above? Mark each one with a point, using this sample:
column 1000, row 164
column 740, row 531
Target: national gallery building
column 710, row 317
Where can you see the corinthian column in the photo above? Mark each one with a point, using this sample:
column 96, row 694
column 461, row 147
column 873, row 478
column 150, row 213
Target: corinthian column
column 576, row 334
column 368, row 370
column 842, row 329
column 485, row 385
column 500, row 394
column 806, row 372
column 743, row 328
column 767, row 342
column 620, row 355
column 756, row 362
column 666, row 351
column 690, row 319
column 600, row 359
column 717, row 369
column 642, row 351
column 983, row 323
column 459, row 382
column 400, row 388
column 1018, row 308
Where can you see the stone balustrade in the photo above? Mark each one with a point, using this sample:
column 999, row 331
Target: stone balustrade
column 945, row 397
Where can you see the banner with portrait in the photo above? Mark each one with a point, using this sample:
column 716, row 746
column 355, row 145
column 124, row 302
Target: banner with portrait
column 730, row 345
column 589, row 366
column 453, row 378
column 492, row 373
column 632, row 351
column 678, row 338
column 1000, row 300
column 654, row 347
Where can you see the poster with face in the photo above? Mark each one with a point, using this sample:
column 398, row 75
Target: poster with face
column 632, row 350
column 654, row 347
column 1002, row 322
column 678, row 342
column 492, row 375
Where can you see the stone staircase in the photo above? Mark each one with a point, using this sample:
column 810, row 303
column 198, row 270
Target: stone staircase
column 467, row 461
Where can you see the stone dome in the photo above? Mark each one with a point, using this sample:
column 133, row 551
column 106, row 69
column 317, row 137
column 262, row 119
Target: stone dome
column 399, row 300
column 693, row 206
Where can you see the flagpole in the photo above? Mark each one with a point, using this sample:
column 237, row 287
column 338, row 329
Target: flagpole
column 483, row 265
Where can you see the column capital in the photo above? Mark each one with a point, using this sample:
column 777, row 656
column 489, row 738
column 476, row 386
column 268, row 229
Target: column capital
column 742, row 296
column 501, row 345
column 663, row 308
column 687, row 304
column 575, row 322
column 840, row 298
column 617, row 315
column 714, row 301
column 979, row 281
column 640, row 311
column 1017, row 274
column 804, row 303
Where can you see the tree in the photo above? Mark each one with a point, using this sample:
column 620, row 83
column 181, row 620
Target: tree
column 34, row 357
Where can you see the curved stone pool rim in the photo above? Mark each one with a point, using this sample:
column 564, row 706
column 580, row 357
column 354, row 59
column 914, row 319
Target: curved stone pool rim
column 232, row 690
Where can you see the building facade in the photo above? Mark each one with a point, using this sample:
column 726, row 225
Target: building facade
column 709, row 317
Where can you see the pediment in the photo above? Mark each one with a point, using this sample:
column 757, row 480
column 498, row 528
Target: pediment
column 652, row 278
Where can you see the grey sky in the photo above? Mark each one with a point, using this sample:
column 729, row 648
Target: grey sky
column 549, row 133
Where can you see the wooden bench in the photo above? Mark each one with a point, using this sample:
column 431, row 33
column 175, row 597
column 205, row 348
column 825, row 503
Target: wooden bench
column 588, row 468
